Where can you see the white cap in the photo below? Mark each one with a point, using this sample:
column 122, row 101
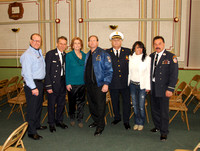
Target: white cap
column 116, row 34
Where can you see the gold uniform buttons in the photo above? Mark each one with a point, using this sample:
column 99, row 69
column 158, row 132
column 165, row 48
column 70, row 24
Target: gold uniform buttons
column 119, row 70
column 118, row 65
column 117, row 60
column 120, row 76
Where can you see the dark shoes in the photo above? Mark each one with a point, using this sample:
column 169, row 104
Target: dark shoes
column 52, row 128
column 92, row 125
column 127, row 126
column 62, row 125
column 98, row 131
column 154, row 130
column 41, row 128
column 35, row 136
column 115, row 122
column 163, row 137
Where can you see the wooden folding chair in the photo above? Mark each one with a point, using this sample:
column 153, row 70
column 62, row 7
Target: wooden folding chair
column 177, row 95
column 198, row 105
column 195, row 149
column 3, row 93
column 180, row 106
column 15, row 139
column 193, row 84
column 19, row 100
column 132, row 110
column 11, row 86
column 110, row 109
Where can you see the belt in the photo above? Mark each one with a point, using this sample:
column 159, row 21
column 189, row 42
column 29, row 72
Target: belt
column 38, row 80
column 136, row 83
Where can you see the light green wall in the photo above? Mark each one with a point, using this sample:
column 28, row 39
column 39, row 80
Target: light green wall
column 184, row 75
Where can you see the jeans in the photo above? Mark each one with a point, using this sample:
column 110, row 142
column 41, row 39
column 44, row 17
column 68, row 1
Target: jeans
column 138, row 100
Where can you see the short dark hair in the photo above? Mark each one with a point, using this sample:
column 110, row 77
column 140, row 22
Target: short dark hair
column 93, row 36
column 31, row 38
column 61, row 37
column 76, row 38
column 141, row 45
column 158, row 37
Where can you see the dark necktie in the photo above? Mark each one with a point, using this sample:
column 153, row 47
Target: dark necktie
column 117, row 53
column 63, row 57
column 155, row 64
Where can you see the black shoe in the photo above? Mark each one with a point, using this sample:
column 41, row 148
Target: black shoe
column 115, row 122
column 92, row 125
column 127, row 126
column 35, row 136
column 163, row 137
column 62, row 125
column 41, row 128
column 154, row 130
column 98, row 132
column 52, row 128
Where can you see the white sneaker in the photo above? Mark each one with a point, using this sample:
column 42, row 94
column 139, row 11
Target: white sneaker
column 140, row 127
column 135, row 127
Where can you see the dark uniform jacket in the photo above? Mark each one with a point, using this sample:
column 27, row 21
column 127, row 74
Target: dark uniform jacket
column 53, row 70
column 120, row 68
column 166, row 73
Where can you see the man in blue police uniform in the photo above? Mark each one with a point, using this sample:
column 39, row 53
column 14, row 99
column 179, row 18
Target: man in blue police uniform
column 55, row 84
column 98, row 75
column 33, row 72
column 119, row 84
column 164, row 75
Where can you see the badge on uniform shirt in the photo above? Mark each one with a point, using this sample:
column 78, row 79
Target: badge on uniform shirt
column 108, row 57
column 166, row 62
column 175, row 59
column 122, row 49
column 164, row 54
column 127, row 57
column 56, row 54
column 98, row 58
column 54, row 61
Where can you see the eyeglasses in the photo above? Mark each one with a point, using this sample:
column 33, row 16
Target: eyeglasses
column 38, row 41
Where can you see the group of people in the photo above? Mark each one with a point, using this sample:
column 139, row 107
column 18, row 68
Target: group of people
column 129, row 73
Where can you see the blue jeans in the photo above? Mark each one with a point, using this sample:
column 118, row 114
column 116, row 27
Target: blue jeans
column 138, row 100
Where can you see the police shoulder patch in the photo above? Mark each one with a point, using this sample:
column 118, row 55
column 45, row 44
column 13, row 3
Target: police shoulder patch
column 174, row 59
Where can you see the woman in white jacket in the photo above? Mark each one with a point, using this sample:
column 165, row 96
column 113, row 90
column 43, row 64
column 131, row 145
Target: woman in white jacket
column 139, row 81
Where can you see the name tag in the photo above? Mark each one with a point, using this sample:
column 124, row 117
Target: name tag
column 54, row 61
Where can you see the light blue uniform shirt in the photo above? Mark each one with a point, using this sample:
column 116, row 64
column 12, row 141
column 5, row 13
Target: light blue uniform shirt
column 33, row 66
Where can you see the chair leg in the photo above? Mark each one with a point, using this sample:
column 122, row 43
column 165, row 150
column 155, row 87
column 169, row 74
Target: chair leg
column 22, row 112
column 147, row 116
column 12, row 110
column 109, row 110
column 190, row 100
column 182, row 116
column 196, row 108
column 111, row 107
column 87, row 118
column 186, row 117
column 131, row 113
column 44, row 117
column 66, row 112
column 173, row 117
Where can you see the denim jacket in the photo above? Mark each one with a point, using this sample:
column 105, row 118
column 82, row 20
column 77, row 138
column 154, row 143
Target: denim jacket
column 102, row 66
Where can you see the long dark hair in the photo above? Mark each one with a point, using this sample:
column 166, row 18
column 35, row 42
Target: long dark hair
column 141, row 45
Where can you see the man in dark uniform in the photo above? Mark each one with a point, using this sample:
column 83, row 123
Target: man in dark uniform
column 119, row 84
column 164, row 75
column 55, row 84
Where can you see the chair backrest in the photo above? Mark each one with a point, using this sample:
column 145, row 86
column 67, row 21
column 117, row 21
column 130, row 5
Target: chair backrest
column 180, row 89
column 187, row 93
column 12, row 85
column 3, row 83
column 194, row 81
column 197, row 147
column 15, row 137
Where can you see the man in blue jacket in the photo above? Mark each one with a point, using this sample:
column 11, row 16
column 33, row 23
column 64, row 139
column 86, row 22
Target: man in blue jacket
column 98, row 75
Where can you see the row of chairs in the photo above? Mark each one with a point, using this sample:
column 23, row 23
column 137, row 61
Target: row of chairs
column 183, row 95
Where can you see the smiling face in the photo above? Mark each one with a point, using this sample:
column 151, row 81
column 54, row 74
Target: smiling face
column 138, row 50
column 77, row 45
column 36, row 41
column 158, row 45
column 93, row 43
column 116, row 43
column 61, row 45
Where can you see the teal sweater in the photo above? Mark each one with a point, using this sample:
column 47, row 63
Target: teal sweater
column 74, row 68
